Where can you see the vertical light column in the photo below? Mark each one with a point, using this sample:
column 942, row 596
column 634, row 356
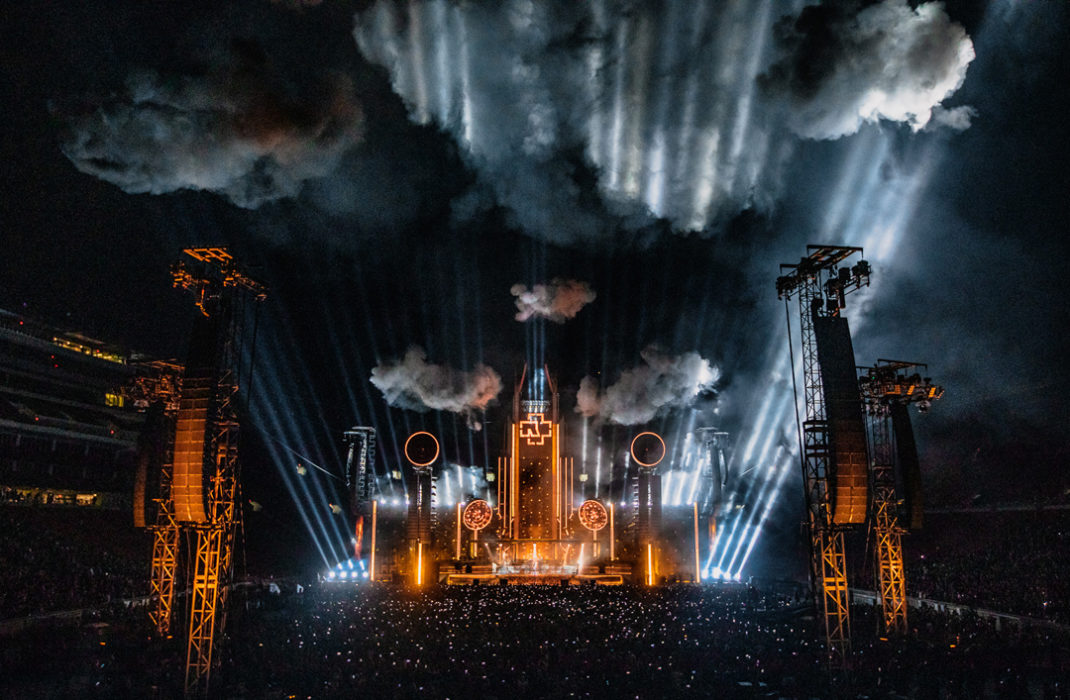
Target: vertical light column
column 458, row 556
column 555, row 494
column 371, row 557
column 612, row 534
column 419, row 563
column 698, row 571
column 514, row 485
column 649, row 564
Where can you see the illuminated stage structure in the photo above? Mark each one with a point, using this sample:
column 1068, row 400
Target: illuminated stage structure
column 199, row 468
column 361, row 484
column 888, row 389
column 534, row 527
column 833, row 436
column 536, row 531
column 647, row 450
column 716, row 443
column 422, row 450
column 535, row 487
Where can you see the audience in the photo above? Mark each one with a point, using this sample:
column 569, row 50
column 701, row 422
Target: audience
column 335, row 639
column 63, row 559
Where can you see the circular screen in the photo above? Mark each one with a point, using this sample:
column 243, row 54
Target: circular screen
column 477, row 515
column 421, row 449
column 593, row 515
column 648, row 449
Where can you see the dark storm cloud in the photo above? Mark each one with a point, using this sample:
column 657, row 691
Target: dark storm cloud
column 663, row 382
column 241, row 131
column 414, row 383
column 559, row 300
column 845, row 66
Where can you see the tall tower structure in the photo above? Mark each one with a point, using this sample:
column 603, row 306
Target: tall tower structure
column 205, row 471
column 888, row 388
column 647, row 450
column 534, row 481
column 832, row 433
column 422, row 450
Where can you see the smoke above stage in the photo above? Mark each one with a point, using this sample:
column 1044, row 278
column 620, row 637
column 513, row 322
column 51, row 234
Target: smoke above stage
column 678, row 109
column 414, row 383
column 557, row 301
column 661, row 383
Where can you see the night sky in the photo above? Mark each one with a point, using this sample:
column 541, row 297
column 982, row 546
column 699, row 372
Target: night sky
column 391, row 171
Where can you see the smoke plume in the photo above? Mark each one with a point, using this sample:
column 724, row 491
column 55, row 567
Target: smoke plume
column 842, row 67
column 584, row 119
column 558, row 301
column 241, row 131
column 664, row 382
column 413, row 383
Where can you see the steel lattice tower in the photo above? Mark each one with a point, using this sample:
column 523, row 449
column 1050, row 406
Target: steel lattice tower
column 221, row 291
column 884, row 386
column 811, row 279
column 159, row 386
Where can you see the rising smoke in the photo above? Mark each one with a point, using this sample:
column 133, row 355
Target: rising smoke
column 559, row 300
column 241, row 131
column 583, row 119
column 843, row 67
column 664, row 382
column 413, row 383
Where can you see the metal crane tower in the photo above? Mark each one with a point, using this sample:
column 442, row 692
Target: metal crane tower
column 821, row 287
column 887, row 389
column 204, row 478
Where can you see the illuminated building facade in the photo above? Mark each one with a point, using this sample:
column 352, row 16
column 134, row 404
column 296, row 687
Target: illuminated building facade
column 68, row 437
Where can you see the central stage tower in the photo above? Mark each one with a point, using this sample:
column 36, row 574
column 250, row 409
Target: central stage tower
column 535, row 496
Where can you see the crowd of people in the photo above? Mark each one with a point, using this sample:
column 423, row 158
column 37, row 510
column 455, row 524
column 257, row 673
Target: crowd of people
column 67, row 558
column 331, row 639
column 510, row 642
column 1006, row 561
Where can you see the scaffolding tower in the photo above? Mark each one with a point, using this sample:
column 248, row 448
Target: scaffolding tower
column 208, row 493
column 821, row 287
column 885, row 386
column 154, row 390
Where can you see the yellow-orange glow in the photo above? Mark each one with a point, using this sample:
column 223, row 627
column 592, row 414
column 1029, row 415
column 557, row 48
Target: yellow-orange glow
column 593, row 515
column 371, row 555
column 639, row 461
column 458, row 553
column 419, row 563
column 649, row 564
column 612, row 535
column 477, row 515
column 410, row 456
column 536, row 429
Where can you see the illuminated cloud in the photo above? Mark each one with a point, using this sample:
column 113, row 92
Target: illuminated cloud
column 558, row 301
column 240, row 131
column 413, row 383
column 844, row 67
column 582, row 119
column 664, row 382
